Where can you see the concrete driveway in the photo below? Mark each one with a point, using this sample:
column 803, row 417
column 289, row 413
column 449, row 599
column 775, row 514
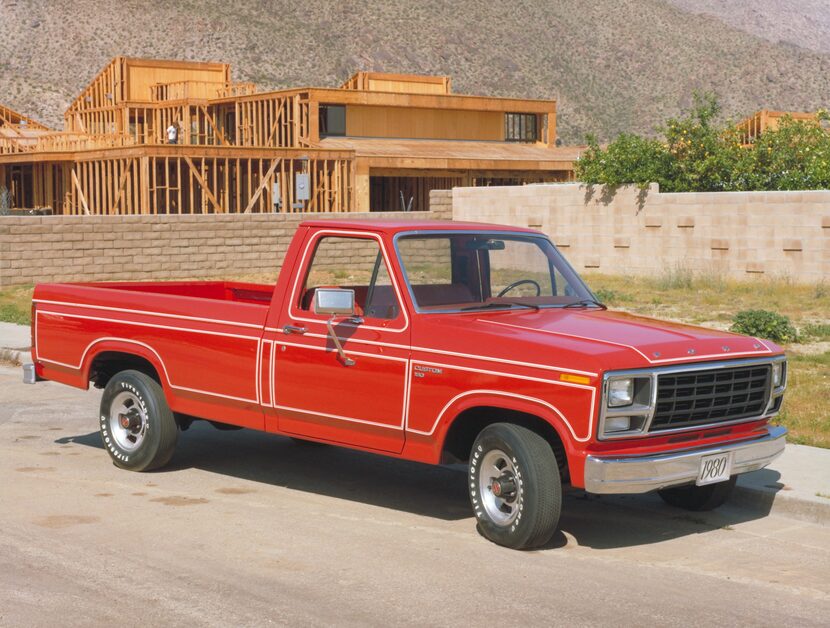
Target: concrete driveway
column 251, row 529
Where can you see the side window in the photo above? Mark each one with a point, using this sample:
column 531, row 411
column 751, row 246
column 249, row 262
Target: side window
column 356, row 264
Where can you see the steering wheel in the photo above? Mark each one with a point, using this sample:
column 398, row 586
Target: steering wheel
column 521, row 282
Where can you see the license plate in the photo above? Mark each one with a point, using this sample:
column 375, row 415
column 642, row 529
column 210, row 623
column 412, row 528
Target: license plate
column 715, row 468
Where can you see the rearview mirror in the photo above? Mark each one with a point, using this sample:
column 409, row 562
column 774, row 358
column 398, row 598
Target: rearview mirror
column 334, row 301
column 477, row 244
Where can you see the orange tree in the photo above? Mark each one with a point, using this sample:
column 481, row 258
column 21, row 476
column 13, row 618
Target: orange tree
column 697, row 154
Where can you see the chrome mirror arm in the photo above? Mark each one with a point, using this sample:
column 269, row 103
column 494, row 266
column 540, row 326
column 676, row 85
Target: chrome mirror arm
column 346, row 360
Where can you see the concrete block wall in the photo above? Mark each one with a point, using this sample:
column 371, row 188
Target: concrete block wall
column 732, row 234
column 441, row 204
column 109, row 248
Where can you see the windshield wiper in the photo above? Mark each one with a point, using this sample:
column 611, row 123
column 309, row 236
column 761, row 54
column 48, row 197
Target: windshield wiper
column 587, row 303
column 490, row 306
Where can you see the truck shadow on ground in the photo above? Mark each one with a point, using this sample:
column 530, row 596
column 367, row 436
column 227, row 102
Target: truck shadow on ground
column 599, row 522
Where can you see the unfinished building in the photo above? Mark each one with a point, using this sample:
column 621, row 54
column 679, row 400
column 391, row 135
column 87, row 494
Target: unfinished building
column 156, row 137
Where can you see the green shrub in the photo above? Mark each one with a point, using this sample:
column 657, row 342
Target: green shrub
column 764, row 324
column 605, row 295
column 697, row 154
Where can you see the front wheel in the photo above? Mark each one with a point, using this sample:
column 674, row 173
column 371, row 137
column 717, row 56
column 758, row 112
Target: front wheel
column 137, row 426
column 699, row 498
column 514, row 486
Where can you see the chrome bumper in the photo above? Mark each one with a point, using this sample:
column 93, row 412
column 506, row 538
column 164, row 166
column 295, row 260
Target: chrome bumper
column 29, row 375
column 640, row 474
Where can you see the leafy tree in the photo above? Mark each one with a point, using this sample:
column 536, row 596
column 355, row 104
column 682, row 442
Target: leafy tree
column 697, row 154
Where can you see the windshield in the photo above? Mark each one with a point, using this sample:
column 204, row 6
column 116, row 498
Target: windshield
column 453, row 272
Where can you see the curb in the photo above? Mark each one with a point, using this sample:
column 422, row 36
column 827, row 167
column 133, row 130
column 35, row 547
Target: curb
column 14, row 357
column 778, row 502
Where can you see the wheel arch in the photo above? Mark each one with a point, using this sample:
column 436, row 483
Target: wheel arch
column 108, row 356
column 467, row 415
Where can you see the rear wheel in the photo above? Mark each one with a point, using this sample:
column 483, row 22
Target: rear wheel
column 137, row 427
column 699, row 498
column 514, row 486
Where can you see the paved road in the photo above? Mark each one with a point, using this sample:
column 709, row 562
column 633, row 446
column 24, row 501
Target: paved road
column 251, row 529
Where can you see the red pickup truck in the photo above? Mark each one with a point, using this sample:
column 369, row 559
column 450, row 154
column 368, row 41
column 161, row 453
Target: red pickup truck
column 429, row 341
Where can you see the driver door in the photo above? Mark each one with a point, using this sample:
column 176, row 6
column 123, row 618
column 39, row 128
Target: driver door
column 316, row 393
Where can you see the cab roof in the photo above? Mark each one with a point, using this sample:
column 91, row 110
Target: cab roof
column 392, row 227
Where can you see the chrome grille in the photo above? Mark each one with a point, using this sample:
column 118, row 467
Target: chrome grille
column 710, row 396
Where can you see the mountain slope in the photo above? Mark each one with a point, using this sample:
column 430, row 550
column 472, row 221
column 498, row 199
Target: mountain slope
column 614, row 65
column 803, row 23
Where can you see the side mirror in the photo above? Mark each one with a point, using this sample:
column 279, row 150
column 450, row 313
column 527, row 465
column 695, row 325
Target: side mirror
column 334, row 301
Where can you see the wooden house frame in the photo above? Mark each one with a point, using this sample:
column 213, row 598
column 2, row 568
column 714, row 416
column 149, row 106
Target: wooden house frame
column 12, row 121
column 240, row 150
column 753, row 126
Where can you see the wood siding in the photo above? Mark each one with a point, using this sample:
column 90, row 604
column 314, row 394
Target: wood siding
column 398, row 122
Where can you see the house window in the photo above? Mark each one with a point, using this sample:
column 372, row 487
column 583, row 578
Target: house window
column 332, row 120
column 520, row 127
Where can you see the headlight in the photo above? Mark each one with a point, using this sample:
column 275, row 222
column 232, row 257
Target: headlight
column 617, row 424
column 627, row 404
column 778, row 374
column 620, row 392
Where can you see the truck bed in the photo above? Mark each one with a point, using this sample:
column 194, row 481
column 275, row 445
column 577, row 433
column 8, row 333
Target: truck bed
column 239, row 292
column 203, row 337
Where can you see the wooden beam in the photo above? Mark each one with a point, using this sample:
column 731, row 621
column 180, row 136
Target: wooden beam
column 212, row 124
column 80, row 192
column 204, row 185
column 263, row 182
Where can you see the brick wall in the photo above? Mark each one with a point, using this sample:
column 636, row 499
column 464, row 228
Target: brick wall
column 106, row 248
column 737, row 234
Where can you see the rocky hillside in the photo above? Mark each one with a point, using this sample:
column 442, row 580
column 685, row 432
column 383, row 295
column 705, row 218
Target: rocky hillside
column 614, row 65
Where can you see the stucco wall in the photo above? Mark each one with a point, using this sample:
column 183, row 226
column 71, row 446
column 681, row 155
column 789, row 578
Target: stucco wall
column 737, row 234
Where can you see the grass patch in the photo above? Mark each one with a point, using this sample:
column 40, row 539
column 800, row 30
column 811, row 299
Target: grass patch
column 678, row 294
column 806, row 410
column 816, row 331
column 16, row 305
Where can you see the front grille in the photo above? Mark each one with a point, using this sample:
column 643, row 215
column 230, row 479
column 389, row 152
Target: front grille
column 710, row 396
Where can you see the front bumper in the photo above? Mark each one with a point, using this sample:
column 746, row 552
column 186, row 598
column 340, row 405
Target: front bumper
column 640, row 474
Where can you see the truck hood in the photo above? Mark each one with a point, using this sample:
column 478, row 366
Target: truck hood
column 647, row 341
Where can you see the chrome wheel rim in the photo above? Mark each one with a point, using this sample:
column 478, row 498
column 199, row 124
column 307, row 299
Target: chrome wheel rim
column 127, row 421
column 499, row 487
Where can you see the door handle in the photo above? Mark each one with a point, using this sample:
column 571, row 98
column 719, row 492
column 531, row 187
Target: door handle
column 293, row 329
